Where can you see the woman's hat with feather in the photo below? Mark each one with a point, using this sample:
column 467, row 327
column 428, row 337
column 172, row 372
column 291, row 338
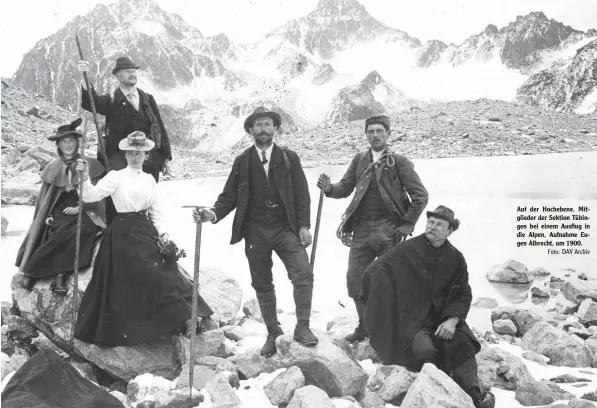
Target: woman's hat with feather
column 68, row 130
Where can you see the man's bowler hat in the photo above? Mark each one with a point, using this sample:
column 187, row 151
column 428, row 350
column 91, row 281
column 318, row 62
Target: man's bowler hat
column 444, row 213
column 124, row 63
column 259, row 112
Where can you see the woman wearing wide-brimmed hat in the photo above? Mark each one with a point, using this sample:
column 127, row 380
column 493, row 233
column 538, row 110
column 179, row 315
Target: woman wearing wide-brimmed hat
column 48, row 249
column 136, row 293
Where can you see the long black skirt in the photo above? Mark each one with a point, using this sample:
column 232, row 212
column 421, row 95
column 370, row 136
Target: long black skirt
column 56, row 253
column 133, row 296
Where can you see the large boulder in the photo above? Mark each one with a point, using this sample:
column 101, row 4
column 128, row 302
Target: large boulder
column 389, row 381
column 281, row 389
column 51, row 314
column 221, row 393
column 587, row 312
column 205, row 369
column 523, row 319
column 209, row 343
column 252, row 310
column 22, row 189
column 223, row 294
column 578, row 290
column 500, row 369
column 310, row 397
column 510, row 272
column 560, row 347
column 433, row 388
column 505, row 326
column 343, row 325
column 327, row 365
column 541, row 393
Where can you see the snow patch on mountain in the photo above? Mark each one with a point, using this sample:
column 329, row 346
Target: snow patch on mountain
column 149, row 27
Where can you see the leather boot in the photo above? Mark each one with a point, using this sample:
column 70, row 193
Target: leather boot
column 482, row 399
column 302, row 300
column 267, row 304
column 359, row 333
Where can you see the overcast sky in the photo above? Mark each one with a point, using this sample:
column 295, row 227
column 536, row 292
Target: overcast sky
column 26, row 22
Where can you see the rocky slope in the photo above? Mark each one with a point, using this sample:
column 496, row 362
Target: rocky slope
column 201, row 82
column 454, row 129
column 565, row 86
column 536, row 355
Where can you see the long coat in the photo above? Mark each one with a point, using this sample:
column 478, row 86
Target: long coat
column 113, row 107
column 392, row 182
column 290, row 181
column 400, row 288
column 46, row 200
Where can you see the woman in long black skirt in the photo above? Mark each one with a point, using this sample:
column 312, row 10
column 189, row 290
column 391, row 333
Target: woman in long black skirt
column 134, row 295
column 48, row 250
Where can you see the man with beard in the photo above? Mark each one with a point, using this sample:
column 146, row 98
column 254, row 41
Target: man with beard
column 418, row 298
column 380, row 213
column 268, row 188
column 127, row 110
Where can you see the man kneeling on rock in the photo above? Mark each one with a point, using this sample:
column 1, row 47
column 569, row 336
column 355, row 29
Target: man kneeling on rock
column 418, row 298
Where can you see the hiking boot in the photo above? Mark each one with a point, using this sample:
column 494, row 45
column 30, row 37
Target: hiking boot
column 358, row 335
column 304, row 335
column 486, row 400
column 269, row 347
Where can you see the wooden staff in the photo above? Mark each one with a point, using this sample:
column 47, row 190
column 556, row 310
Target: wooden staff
column 316, row 235
column 195, row 300
column 71, row 345
column 101, row 151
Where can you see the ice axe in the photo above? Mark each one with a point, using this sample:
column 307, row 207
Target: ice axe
column 195, row 298
column 71, row 344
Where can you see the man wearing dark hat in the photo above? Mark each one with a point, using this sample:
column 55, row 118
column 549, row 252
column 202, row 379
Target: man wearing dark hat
column 129, row 109
column 418, row 297
column 381, row 213
column 268, row 188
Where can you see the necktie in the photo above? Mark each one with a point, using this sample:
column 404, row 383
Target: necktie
column 263, row 157
column 133, row 100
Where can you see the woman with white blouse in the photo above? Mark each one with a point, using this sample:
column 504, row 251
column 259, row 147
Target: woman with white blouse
column 135, row 295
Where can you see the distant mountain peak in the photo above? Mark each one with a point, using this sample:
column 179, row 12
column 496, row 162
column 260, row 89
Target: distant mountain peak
column 336, row 8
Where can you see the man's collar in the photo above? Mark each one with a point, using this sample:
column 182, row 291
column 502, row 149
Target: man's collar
column 268, row 151
column 127, row 93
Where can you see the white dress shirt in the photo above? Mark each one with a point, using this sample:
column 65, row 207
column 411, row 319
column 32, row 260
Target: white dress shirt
column 268, row 155
column 377, row 155
column 131, row 190
column 132, row 97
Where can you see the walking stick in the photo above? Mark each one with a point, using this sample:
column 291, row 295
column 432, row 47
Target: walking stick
column 314, row 249
column 71, row 345
column 195, row 301
column 100, row 140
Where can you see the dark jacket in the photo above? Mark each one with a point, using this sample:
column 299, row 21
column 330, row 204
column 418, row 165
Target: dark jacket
column 46, row 200
column 392, row 182
column 290, row 181
column 113, row 107
column 400, row 288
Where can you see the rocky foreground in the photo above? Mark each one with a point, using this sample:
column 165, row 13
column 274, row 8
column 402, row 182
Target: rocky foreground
column 557, row 333
column 454, row 129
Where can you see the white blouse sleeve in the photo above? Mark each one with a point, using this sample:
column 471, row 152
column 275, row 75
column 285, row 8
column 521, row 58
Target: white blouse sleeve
column 104, row 188
column 157, row 213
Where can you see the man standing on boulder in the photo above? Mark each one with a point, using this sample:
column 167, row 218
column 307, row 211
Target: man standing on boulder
column 380, row 213
column 418, row 298
column 268, row 188
column 127, row 110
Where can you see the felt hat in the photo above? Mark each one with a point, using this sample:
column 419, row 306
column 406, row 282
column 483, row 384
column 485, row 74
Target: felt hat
column 67, row 130
column 378, row 119
column 124, row 63
column 446, row 214
column 259, row 112
column 136, row 141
